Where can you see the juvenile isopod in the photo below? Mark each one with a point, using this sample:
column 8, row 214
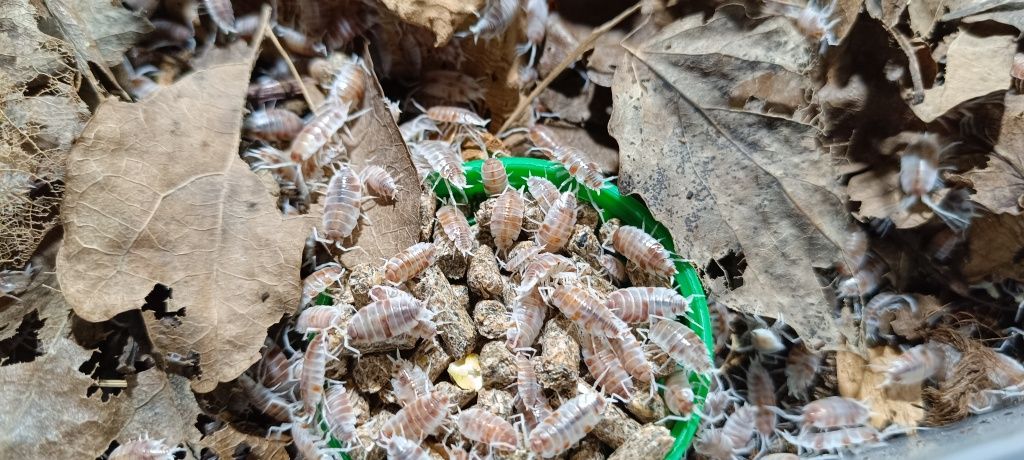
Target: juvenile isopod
column 310, row 443
column 298, row 43
column 543, row 191
column 713, row 443
column 833, row 412
column 633, row 357
column 318, row 281
column 681, row 344
column 528, row 313
column 572, row 159
column 455, row 116
column 643, row 250
column 520, row 257
column 442, row 159
column 484, row 427
column 832, row 441
column 379, row 182
column 493, row 176
column 387, row 318
column 349, row 84
column 739, row 428
column 274, row 368
column 637, row 304
column 456, row 228
column 317, row 318
column 507, row 219
column 273, row 125
column 528, row 389
column 587, row 310
column 410, row 382
column 543, row 267
column 801, row 368
column 606, row 368
column 558, row 224
column 613, row 267
column 495, row 18
column 265, row 400
column 919, row 363
column 567, row 425
column 398, row 447
column 536, row 27
column 679, row 396
column 409, row 263
column 222, row 14
column 419, row 419
column 314, row 368
column 315, row 135
column 339, row 413
column 341, row 206
column 761, row 394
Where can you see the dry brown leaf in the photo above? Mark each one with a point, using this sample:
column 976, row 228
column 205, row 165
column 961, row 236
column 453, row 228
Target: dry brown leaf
column 886, row 11
column 392, row 226
column 46, row 411
column 442, row 17
column 42, row 297
column 160, row 405
column 992, row 248
column 1000, row 185
column 606, row 158
column 924, row 14
column 846, row 12
column 226, row 441
column 158, row 195
column 495, row 63
column 975, row 66
column 605, row 58
column 896, row 404
column 727, row 179
column 1009, row 12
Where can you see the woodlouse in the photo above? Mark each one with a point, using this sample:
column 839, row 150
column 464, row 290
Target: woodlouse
column 314, row 369
column 298, row 43
column 318, row 281
column 349, row 84
column 341, row 206
column 567, row 425
column 919, row 363
column 222, row 14
column 507, row 219
column 543, row 191
column 558, row 224
column 633, row 357
column 528, row 389
column 309, row 442
column 443, row 159
column 739, row 428
column 606, row 368
column 273, row 125
column 456, row 227
column 387, row 318
column 398, row 447
column 681, row 344
column 637, row 304
column 587, row 310
column 536, row 27
column 833, row 412
column 315, row 135
column 542, row 268
column 679, row 396
column 761, row 394
column 613, row 267
column 880, row 311
column 410, row 382
column 643, row 250
column 520, row 257
column 379, row 182
column 265, row 400
column 419, row 419
column 493, row 176
column 495, row 18
column 833, row 440
column 801, row 369
column 484, row 427
column 528, row 313
column 409, row 263
column 455, row 115
column 339, row 413
column 317, row 318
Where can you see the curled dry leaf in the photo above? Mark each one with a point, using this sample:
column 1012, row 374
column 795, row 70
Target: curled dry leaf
column 990, row 240
column 886, row 11
column 442, row 17
column 226, row 441
column 158, row 195
column 1009, row 12
column 726, row 178
column 393, row 225
column 158, row 404
column 899, row 404
column 41, row 297
column 976, row 65
column 1000, row 185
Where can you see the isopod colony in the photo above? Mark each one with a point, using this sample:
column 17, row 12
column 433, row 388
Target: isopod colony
column 527, row 325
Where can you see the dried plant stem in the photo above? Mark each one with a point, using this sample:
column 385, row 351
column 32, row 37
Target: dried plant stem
column 583, row 47
column 292, row 69
column 912, row 64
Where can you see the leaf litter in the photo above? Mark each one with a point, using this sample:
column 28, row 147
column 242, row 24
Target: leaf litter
column 786, row 160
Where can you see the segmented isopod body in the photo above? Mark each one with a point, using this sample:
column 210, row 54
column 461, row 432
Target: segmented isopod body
column 681, row 344
column 349, row 84
column 739, row 427
column 544, row 267
column 495, row 18
column 265, row 400
column 587, row 310
column 387, row 318
column 379, row 182
column 317, row 132
column 643, row 250
column 567, row 425
column 545, row 138
column 679, row 396
column 558, row 224
column 339, row 413
column 381, row 292
column 536, row 28
column 835, row 412
column 801, row 369
column 296, row 42
column 144, row 449
column 717, row 404
column 608, row 372
column 246, row 26
column 456, row 227
column 761, row 393
column 613, row 267
column 410, row 382
column 521, row 256
column 507, row 219
column 317, row 318
column 309, row 442
column 418, row 419
column 766, row 340
column 314, row 368
column 484, row 427
column 273, row 369
column 409, row 263
column 341, row 206
column 920, row 363
column 319, row 281
column 865, row 280
column 268, row 89
column 444, row 160
column 638, row 304
column 222, row 14
column 528, row 388
column 833, row 440
column 543, row 191
column 585, row 172
column 880, row 311
column 712, row 442
column 528, row 312
column 631, row 353
column 455, row 115
column 399, row 448
column 493, row 175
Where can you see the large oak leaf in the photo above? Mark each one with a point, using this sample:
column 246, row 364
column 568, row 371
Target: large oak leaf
column 734, row 174
column 157, row 194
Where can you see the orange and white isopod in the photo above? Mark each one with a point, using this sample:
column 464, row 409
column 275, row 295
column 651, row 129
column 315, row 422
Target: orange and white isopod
column 410, row 382
column 529, row 390
column 495, row 18
column 273, row 125
column 834, row 412
column 507, row 219
column 409, row 263
column 455, row 115
column 265, row 400
column 494, row 176
column 314, row 368
column 587, row 310
column 801, row 368
column 542, row 191
column 398, row 447
column 317, row 318
column 341, row 207
column 679, row 396
column 443, row 160
column 681, row 344
column 319, row 281
column 349, row 84
column 221, row 13
column 542, row 268
column 339, row 413
column 643, row 250
column 567, row 425
column 606, row 368
column 638, row 304
column 379, row 182
column 484, row 427
column 558, row 224
column 520, row 257
column 613, row 267
column 316, row 133
column 419, row 419
column 633, row 357
column 387, row 318
column 456, row 227
column 299, row 43
column 528, row 312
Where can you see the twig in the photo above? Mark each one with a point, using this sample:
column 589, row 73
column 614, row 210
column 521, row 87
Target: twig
column 292, row 69
column 583, row 47
column 912, row 64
